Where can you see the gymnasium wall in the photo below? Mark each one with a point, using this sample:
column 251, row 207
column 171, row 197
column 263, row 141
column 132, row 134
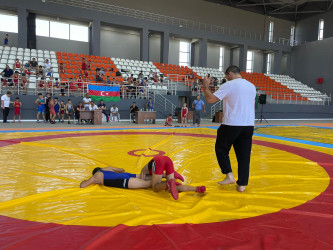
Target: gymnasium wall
column 55, row 44
column 13, row 38
column 307, row 29
column 314, row 60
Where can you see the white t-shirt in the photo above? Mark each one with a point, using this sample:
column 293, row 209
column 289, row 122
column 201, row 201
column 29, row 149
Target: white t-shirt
column 93, row 108
column 47, row 66
column 238, row 98
column 6, row 101
column 114, row 110
column 86, row 102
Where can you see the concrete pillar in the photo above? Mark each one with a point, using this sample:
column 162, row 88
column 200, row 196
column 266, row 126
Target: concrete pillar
column 96, row 38
column 243, row 57
column 144, row 45
column 203, row 52
column 165, row 38
column 288, row 66
column 264, row 66
column 231, row 58
column 277, row 62
column 22, row 27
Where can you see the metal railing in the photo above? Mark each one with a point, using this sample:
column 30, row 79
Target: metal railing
column 285, row 98
column 179, row 22
column 163, row 102
column 215, row 108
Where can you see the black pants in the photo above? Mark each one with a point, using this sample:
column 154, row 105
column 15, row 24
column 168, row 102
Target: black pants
column 241, row 138
column 5, row 114
column 106, row 113
column 196, row 117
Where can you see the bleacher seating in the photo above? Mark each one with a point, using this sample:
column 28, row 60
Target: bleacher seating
column 134, row 67
column 73, row 66
column 175, row 72
column 298, row 87
column 272, row 88
column 202, row 72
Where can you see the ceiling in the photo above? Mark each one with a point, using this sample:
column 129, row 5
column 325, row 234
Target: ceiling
column 292, row 10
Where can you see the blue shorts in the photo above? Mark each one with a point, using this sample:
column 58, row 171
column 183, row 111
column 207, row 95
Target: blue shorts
column 118, row 180
column 41, row 108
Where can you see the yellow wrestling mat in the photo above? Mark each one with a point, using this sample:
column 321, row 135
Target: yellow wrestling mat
column 40, row 178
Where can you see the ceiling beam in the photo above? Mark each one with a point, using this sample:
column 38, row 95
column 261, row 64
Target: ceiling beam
column 284, row 6
column 295, row 12
column 263, row 1
column 330, row 6
column 257, row 4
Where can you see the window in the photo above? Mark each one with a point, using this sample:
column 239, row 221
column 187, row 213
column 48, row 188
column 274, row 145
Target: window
column 78, row 33
column 8, row 23
column 268, row 63
column 221, row 66
column 249, row 62
column 59, row 30
column 271, row 29
column 292, row 35
column 42, row 28
column 321, row 29
column 62, row 30
column 184, row 53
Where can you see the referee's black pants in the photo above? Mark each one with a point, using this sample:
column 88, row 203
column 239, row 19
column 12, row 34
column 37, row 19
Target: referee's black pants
column 241, row 138
column 5, row 112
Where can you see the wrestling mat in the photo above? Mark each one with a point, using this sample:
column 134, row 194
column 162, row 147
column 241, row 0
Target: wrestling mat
column 287, row 205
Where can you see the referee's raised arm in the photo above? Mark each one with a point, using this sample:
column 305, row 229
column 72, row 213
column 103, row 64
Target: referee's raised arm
column 210, row 98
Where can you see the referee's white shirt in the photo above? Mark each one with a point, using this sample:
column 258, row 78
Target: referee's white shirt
column 238, row 97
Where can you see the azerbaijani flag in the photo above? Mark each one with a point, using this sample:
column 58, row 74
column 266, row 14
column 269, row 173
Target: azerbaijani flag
column 105, row 93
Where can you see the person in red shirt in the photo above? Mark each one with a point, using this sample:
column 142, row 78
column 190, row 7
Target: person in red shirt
column 17, row 65
column 24, row 83
column 184, row 115
column 17, row 109
column 79, row 82
column 72, row 86
column 50, row 85
column 168, row 121
column 16, row 78
column 83, row 66
column 61, row 68
column 41, row 83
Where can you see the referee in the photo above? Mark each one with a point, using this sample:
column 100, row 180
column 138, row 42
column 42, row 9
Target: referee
column 236, row 130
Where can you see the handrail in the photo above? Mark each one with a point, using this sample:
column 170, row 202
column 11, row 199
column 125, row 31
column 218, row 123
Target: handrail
column 179, row 22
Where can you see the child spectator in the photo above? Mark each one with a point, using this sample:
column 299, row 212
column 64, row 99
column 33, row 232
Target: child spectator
column 56, row 83
column 79, row 82
column 49, row 85
column 61, row 68
column 51, row 110
column 69, row 110
column 17, row 109
column 72, row 86
column 16, row 78
column 41, row 101
column 6, row 40
column 24, row 83
column 57, row 108
column 40, row 71
column 184, row 113
column 17, row 65
column 168, row 121
column 62, row 111
column 63, row 86
column 83, row 66
column 41, row 83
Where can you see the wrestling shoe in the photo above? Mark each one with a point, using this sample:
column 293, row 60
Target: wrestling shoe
column 178, row 176
column 201, row 189
column 171, row 185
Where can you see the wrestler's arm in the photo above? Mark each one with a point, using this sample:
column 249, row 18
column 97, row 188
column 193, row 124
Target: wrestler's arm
column 144, row 173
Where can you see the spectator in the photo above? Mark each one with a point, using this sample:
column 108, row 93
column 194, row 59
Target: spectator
column 57, row 107
column 102, row 106
column 86, row 102
column 133, row 109
column 87, row 65
column 52, row 112
column 151, row 75
column 69, row 110
column 16, row 78
column 184, row 113
column 48, row 69
column 47, row 109
column 41, row 83
column 168, row 121
column 61, row 68
column 24, row 83
column 79, row 108
column 40, row 71
column 108, row 81
column 63, row 87
column 56, row 83
column 118, row 73
column 114, row 113
column 6, row 40
column 62, row 111
column 198, row 105
column 5, row 102
column 102, row 72
column 72, row 86
column 150, row 105
column 7, row 73
column 83, row 66
column 34, row 65
column 79, row 82
column 17, row 109
column 49, row 85
column 17, row 65
column 161, row 80
column 92, row 106
column 41, row 106
column 98, row 76
column 130, row 79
